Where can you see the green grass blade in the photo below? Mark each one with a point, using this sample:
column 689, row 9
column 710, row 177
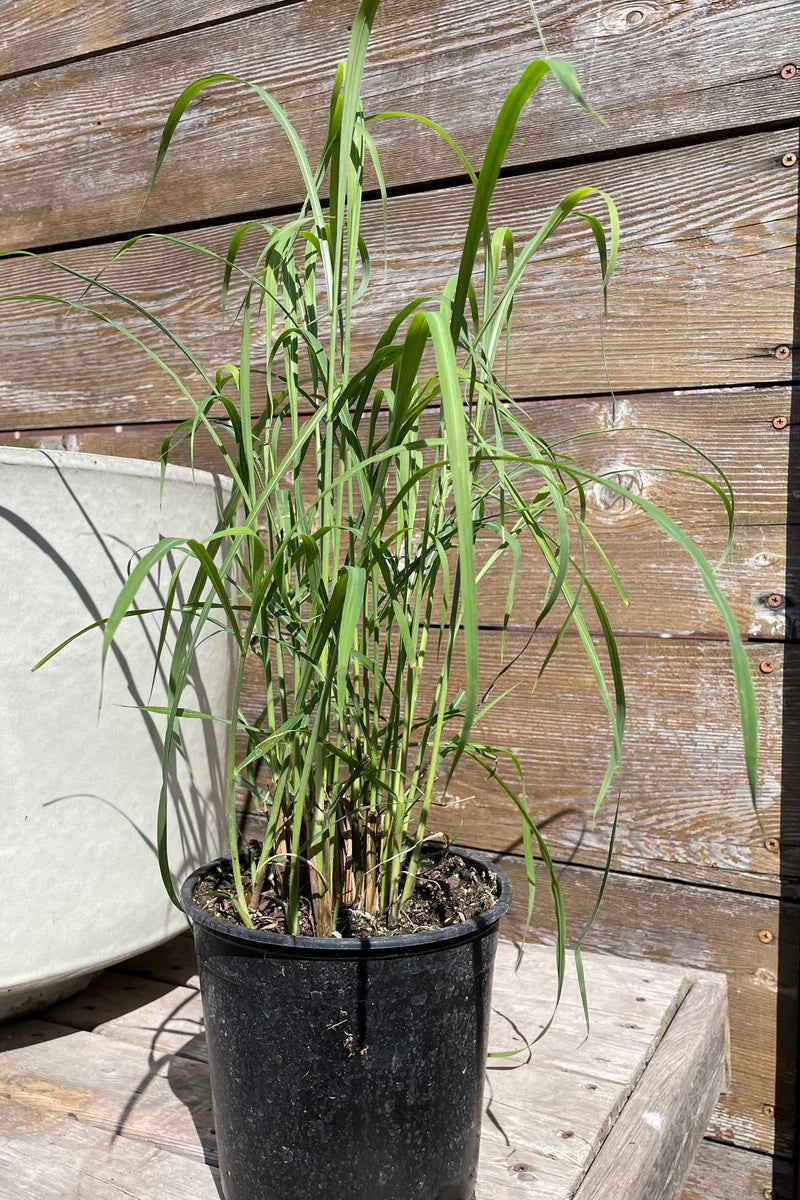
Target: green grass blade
column 348, row 627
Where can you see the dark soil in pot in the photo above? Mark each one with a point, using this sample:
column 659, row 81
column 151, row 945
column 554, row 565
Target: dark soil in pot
column 348, row 1068
column 448, row 890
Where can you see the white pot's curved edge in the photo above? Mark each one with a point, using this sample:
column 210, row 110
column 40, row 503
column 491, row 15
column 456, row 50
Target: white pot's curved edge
column 36, row 993
column 83, row 460
column 36, row 996
column 33, row 995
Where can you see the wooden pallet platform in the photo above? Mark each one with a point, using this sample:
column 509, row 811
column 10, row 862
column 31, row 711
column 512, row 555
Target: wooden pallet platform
column 106, row 1095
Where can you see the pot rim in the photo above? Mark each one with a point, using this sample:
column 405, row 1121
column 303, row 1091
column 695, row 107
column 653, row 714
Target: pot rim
column 86, row 460
column 343, row 948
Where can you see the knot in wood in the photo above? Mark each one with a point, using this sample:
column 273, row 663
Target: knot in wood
column 609, row 501
column 623, row 18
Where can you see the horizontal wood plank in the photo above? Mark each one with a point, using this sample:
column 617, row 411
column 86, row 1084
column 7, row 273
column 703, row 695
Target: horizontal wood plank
column 733, row 427
column 39, row 32
column 684, row 800
column 79, row 140
column 685, row 807
column 722, row 1172
column 52, row 1156
column 711, row 930
column 113, row 1085
column 702, row 294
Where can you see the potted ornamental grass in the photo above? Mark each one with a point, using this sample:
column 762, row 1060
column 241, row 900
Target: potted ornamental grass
column 346, row 956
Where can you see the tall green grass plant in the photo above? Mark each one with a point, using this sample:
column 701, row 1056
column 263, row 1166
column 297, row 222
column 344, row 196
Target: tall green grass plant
column 355, row 599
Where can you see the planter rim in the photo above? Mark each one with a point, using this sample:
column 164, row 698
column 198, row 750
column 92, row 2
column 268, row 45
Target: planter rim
column 85, row 460
column 349, row 948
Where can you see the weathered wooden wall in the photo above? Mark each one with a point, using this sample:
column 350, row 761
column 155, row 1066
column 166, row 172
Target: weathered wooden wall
column 700, row 150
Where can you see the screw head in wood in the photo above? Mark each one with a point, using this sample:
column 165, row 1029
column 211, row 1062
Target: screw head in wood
column 789, row 159
column 789, row 71
column 783, row 352
column 770, row 1194
column 773, row 844
column 766, row 666
column 768, row 1110
column 775, row 600
column 766, row 936
column 780, row 422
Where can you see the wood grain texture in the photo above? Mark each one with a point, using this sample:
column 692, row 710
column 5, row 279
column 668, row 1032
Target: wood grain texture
column 116, row 1086
column 39, row 32
column 662, row 921
column 576, row 1121
column 734, row 428
column 642, row 919
column 79, row 140
column 49, row 1156
column 685, row 808
column 684, row 792
column 726, row 1173
column 702, row 294
column 652, row 1145
column 732, row 425
column 127, row 1008
column 79, row 1155
column 552, row 1111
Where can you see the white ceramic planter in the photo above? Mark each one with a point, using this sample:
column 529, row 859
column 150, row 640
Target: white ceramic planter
column 78, row 870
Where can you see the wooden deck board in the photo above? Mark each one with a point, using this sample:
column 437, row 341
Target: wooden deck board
column 107, row 1094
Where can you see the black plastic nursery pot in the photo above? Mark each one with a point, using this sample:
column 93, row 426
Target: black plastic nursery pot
column 347, row 1069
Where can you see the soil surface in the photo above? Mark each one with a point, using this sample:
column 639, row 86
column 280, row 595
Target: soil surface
column 447, row 892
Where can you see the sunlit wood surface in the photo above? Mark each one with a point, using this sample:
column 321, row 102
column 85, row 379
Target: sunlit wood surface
column 107, row 1094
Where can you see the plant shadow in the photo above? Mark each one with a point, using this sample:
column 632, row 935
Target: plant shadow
column 174, row 1041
